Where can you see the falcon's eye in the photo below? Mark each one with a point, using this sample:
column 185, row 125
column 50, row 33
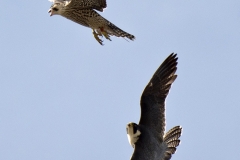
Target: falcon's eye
column 55, row 9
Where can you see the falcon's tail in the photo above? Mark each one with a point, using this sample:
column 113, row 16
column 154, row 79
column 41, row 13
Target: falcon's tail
column 118, row 32
column 172, row 140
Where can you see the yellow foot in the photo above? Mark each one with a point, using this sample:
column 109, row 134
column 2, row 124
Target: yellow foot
column 106, row 35
column 97, row 38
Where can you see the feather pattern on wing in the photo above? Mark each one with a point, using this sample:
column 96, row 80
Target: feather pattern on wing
column 88, row 4
column 154, row 95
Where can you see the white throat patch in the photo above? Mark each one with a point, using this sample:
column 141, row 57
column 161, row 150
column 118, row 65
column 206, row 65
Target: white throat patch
column 132, row 138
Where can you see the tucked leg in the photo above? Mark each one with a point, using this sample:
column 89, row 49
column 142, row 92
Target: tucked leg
column 97, row 38
column 105, row 34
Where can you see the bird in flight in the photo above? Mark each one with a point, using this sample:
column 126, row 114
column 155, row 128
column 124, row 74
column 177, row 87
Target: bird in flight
column 148, row 138
column 84, row 13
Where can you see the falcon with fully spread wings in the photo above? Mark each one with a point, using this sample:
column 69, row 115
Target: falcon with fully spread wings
column 83, row 12
column 148, row 138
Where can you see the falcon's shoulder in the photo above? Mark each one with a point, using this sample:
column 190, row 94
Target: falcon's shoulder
column 91, row 4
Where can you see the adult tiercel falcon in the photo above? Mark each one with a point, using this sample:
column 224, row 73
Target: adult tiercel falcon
column 84, row 13
column 148, row 138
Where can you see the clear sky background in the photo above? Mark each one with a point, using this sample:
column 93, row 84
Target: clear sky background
column 65, row 97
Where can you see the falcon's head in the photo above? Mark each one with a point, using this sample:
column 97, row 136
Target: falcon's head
column 55, row 9
column 133, row 133
column 58, row 6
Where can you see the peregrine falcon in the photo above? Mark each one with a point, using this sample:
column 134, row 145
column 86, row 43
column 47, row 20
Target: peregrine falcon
column 83, row 12
column 148, row 138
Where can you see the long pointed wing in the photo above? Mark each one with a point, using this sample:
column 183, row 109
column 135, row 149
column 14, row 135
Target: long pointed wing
column 154, row 95
column 91, row 4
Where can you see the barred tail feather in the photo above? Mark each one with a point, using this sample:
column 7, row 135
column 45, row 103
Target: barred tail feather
column 119, row 33
column 171, row 138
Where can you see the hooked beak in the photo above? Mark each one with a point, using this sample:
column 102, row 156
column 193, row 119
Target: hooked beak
column 50, row 12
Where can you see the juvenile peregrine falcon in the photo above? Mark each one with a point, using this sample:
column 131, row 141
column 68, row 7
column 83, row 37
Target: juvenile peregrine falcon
column 83, row 12
column 148, row 138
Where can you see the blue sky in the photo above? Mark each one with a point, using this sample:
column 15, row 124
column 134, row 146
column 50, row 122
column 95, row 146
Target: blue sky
column 64, row 96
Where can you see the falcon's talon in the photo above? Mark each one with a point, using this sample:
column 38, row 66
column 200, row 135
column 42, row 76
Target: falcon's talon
column 106, row 35
column 99, row 34
column 97, row 38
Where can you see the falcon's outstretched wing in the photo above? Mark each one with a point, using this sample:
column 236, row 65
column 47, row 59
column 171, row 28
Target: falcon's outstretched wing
column 154, row 95
column 88, row 4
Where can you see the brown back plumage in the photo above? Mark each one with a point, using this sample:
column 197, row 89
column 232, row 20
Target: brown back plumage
column 88, row 4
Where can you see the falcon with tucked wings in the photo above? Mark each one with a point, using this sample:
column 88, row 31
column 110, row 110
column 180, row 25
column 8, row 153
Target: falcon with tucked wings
column 83, row 12
column 148, row 138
